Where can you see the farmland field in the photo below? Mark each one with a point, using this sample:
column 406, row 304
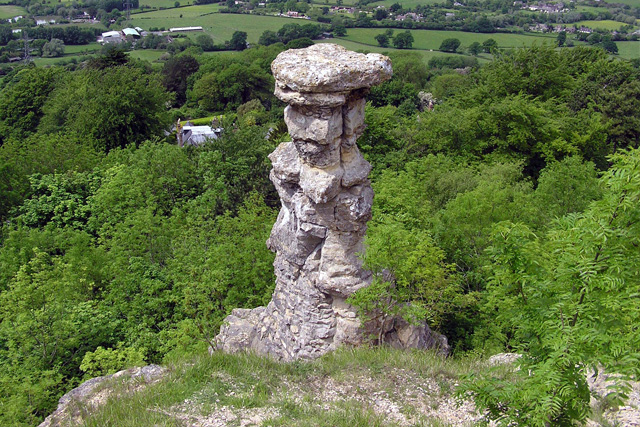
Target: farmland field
column 407, row 4
column 147, row 54
column 164, row 3
column 425, row 54
column 588, row 9
column 629, row 50
column 604, row 24
column 430, row 39
column 82, row 49
column 220, row 26
column 632, row 3
column 9, row 11
column 335, row 2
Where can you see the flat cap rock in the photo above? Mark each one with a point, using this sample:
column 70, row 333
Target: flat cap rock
column 326, row 67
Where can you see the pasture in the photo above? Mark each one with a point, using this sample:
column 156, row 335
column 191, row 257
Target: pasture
column 407, row 4
column 83, row 49
column 426, row 55
column 164, row 3
column 9, row 11
column 606, row 24
column 220, row 26
column 431, row 39
column 629, row 50
column 591, row 9
column 335, row 2
column 149, row 55
column 632, row 3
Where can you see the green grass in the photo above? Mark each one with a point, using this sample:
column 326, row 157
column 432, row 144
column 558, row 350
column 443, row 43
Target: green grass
column 10, row 11
column 335, row 2
column 147, row 54
column 220, row 26
column 164, row 3
column 588, row 9
column 82, row 49
column 632, row 3
column 629, row 50
column 407, row 4
column 291, row 394
column 425, row 54
column 604, row 25
column 431, row 40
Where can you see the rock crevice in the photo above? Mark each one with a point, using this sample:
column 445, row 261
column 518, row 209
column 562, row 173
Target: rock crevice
column 321, row 178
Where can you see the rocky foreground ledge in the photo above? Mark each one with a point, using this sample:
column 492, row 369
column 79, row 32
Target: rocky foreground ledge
column 414, row 388
column 322, row 180
column 80, row 402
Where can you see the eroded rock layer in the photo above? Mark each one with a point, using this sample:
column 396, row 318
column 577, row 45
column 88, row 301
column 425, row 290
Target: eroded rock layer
column 326, row 197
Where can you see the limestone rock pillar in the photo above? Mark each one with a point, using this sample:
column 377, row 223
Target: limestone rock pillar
column 326, row 198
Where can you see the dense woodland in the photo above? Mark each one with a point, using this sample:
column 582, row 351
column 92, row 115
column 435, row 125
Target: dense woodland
column 509, row 215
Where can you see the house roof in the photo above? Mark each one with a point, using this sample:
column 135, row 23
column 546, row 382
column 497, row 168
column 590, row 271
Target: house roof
column 130, row 32
column 196, row 135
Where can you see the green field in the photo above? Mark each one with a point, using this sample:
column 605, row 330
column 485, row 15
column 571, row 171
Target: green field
column 632, row 3
column 588, row 9
column 335, row 2
column 82, row 49
column 407, row 4
column 9, row 11
column 220, row 26
column 604, row 24
column 147, row 54
column 425, row 54
column 164, row 3
column 629, row 50
column 431, row 40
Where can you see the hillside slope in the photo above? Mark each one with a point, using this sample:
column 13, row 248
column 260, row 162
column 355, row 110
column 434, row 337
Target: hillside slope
column 351, row 387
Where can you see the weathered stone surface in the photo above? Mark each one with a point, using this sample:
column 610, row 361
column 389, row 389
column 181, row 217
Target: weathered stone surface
column 321, row 185
column 318, row 155
column 356, row 168
column 326, row 198
column 286, row 163
column 328, row 67
column 353, row 117
column 91, row 394
column 309, row 127
column 293, row 97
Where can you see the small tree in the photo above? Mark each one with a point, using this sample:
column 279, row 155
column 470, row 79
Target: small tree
column 238, row 41
column 411, row 278
column 475, row 48
column 268, row 38
column 609, row 45
column 489, row 45
column 396, row 7
column 450, row 45
column 339, row 31
column 562, row 38
column 383, row 40
column 53, row 48
column 403, row 40
column 380, row 14
column 205, row 42
column 594, row 38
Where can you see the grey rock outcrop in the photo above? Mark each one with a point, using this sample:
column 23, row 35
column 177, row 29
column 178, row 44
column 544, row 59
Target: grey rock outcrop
column 322, row 180
column 74, row 406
